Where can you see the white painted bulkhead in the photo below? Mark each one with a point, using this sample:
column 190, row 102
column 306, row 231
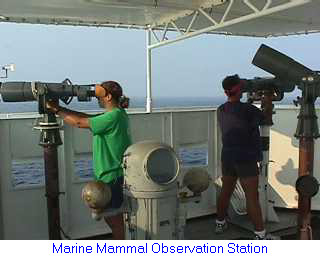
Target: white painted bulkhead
column 23, row 213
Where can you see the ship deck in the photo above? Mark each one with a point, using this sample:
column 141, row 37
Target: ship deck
column 202, row 228
column 187, row 131
column 240, row 228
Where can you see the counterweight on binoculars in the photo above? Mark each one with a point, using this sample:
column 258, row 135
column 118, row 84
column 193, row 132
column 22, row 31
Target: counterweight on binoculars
column 285, row 68
column 42, row 92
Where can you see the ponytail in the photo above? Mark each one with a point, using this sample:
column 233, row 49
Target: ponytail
column 124, row 101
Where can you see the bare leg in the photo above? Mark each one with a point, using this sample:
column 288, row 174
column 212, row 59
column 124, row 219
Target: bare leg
column 250, row 187
column 228, row 185
column 117, row 225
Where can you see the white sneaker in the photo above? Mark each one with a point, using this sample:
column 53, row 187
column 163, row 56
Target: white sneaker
column 267, row 236
column 220, row 228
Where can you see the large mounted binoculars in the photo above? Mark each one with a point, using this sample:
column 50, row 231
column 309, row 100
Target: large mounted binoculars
column 258, row 86
column 286, row 69
column 307, row 80
column 287, row 74
column 42, row 92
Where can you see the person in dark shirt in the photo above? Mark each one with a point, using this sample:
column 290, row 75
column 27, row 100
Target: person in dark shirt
column 239, row 123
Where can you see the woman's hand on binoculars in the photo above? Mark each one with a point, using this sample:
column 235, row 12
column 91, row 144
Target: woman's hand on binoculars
column 53, row 106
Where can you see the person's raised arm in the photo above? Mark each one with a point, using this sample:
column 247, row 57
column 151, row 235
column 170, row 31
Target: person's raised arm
column 73, row 118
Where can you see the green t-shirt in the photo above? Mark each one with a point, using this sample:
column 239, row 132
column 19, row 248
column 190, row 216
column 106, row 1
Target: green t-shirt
column 111, row 137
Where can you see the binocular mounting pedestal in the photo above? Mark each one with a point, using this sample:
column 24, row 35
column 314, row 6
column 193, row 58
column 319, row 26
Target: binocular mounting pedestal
column 50, row 140
column 307, row 131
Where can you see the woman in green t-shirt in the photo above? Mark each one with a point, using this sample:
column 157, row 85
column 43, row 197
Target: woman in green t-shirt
column 111, row 137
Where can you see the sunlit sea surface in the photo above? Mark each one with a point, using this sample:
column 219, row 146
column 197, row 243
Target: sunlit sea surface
column 32, row 172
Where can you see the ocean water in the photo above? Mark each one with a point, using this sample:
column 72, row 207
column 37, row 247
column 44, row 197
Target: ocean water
column 31, row 172
column 135, row 103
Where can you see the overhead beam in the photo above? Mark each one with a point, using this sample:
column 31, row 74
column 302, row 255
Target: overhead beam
column 267, row 10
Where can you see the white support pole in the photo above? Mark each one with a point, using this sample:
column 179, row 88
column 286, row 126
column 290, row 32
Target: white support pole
column 149, row 73
column 268, row 3
column 265, row 195
column 251, row 6
column 195, row 15
column 207, row 16
column 254, row 15
column 155, row 35
column 176, row 27
column 165, row 32
column 226, row 13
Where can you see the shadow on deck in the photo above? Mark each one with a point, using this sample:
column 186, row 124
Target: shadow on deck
column 202, row 228
column 241, row 228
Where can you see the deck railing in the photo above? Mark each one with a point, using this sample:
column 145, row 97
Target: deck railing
column 192, row 132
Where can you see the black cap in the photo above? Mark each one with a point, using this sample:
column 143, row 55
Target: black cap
column 230, row 81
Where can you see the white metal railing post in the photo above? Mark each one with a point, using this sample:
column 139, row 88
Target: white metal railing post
column 149, row 73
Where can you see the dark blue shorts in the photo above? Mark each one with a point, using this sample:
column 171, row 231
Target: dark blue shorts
column 240, row 169
column 117, row 193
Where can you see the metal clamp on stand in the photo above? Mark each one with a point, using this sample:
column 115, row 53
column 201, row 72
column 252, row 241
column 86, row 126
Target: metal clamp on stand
column 49, row 128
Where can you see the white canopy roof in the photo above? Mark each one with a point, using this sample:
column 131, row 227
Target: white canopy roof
column 248, row 17
column 259, row 18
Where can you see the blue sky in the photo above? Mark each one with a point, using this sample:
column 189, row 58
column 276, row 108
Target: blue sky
column 194, row 67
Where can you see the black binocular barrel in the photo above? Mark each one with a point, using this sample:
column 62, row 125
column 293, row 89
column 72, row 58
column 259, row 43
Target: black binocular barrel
column 279, row 64
column 252, row 85
column 267, row 83
column 26, row 91
column 16, row 92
